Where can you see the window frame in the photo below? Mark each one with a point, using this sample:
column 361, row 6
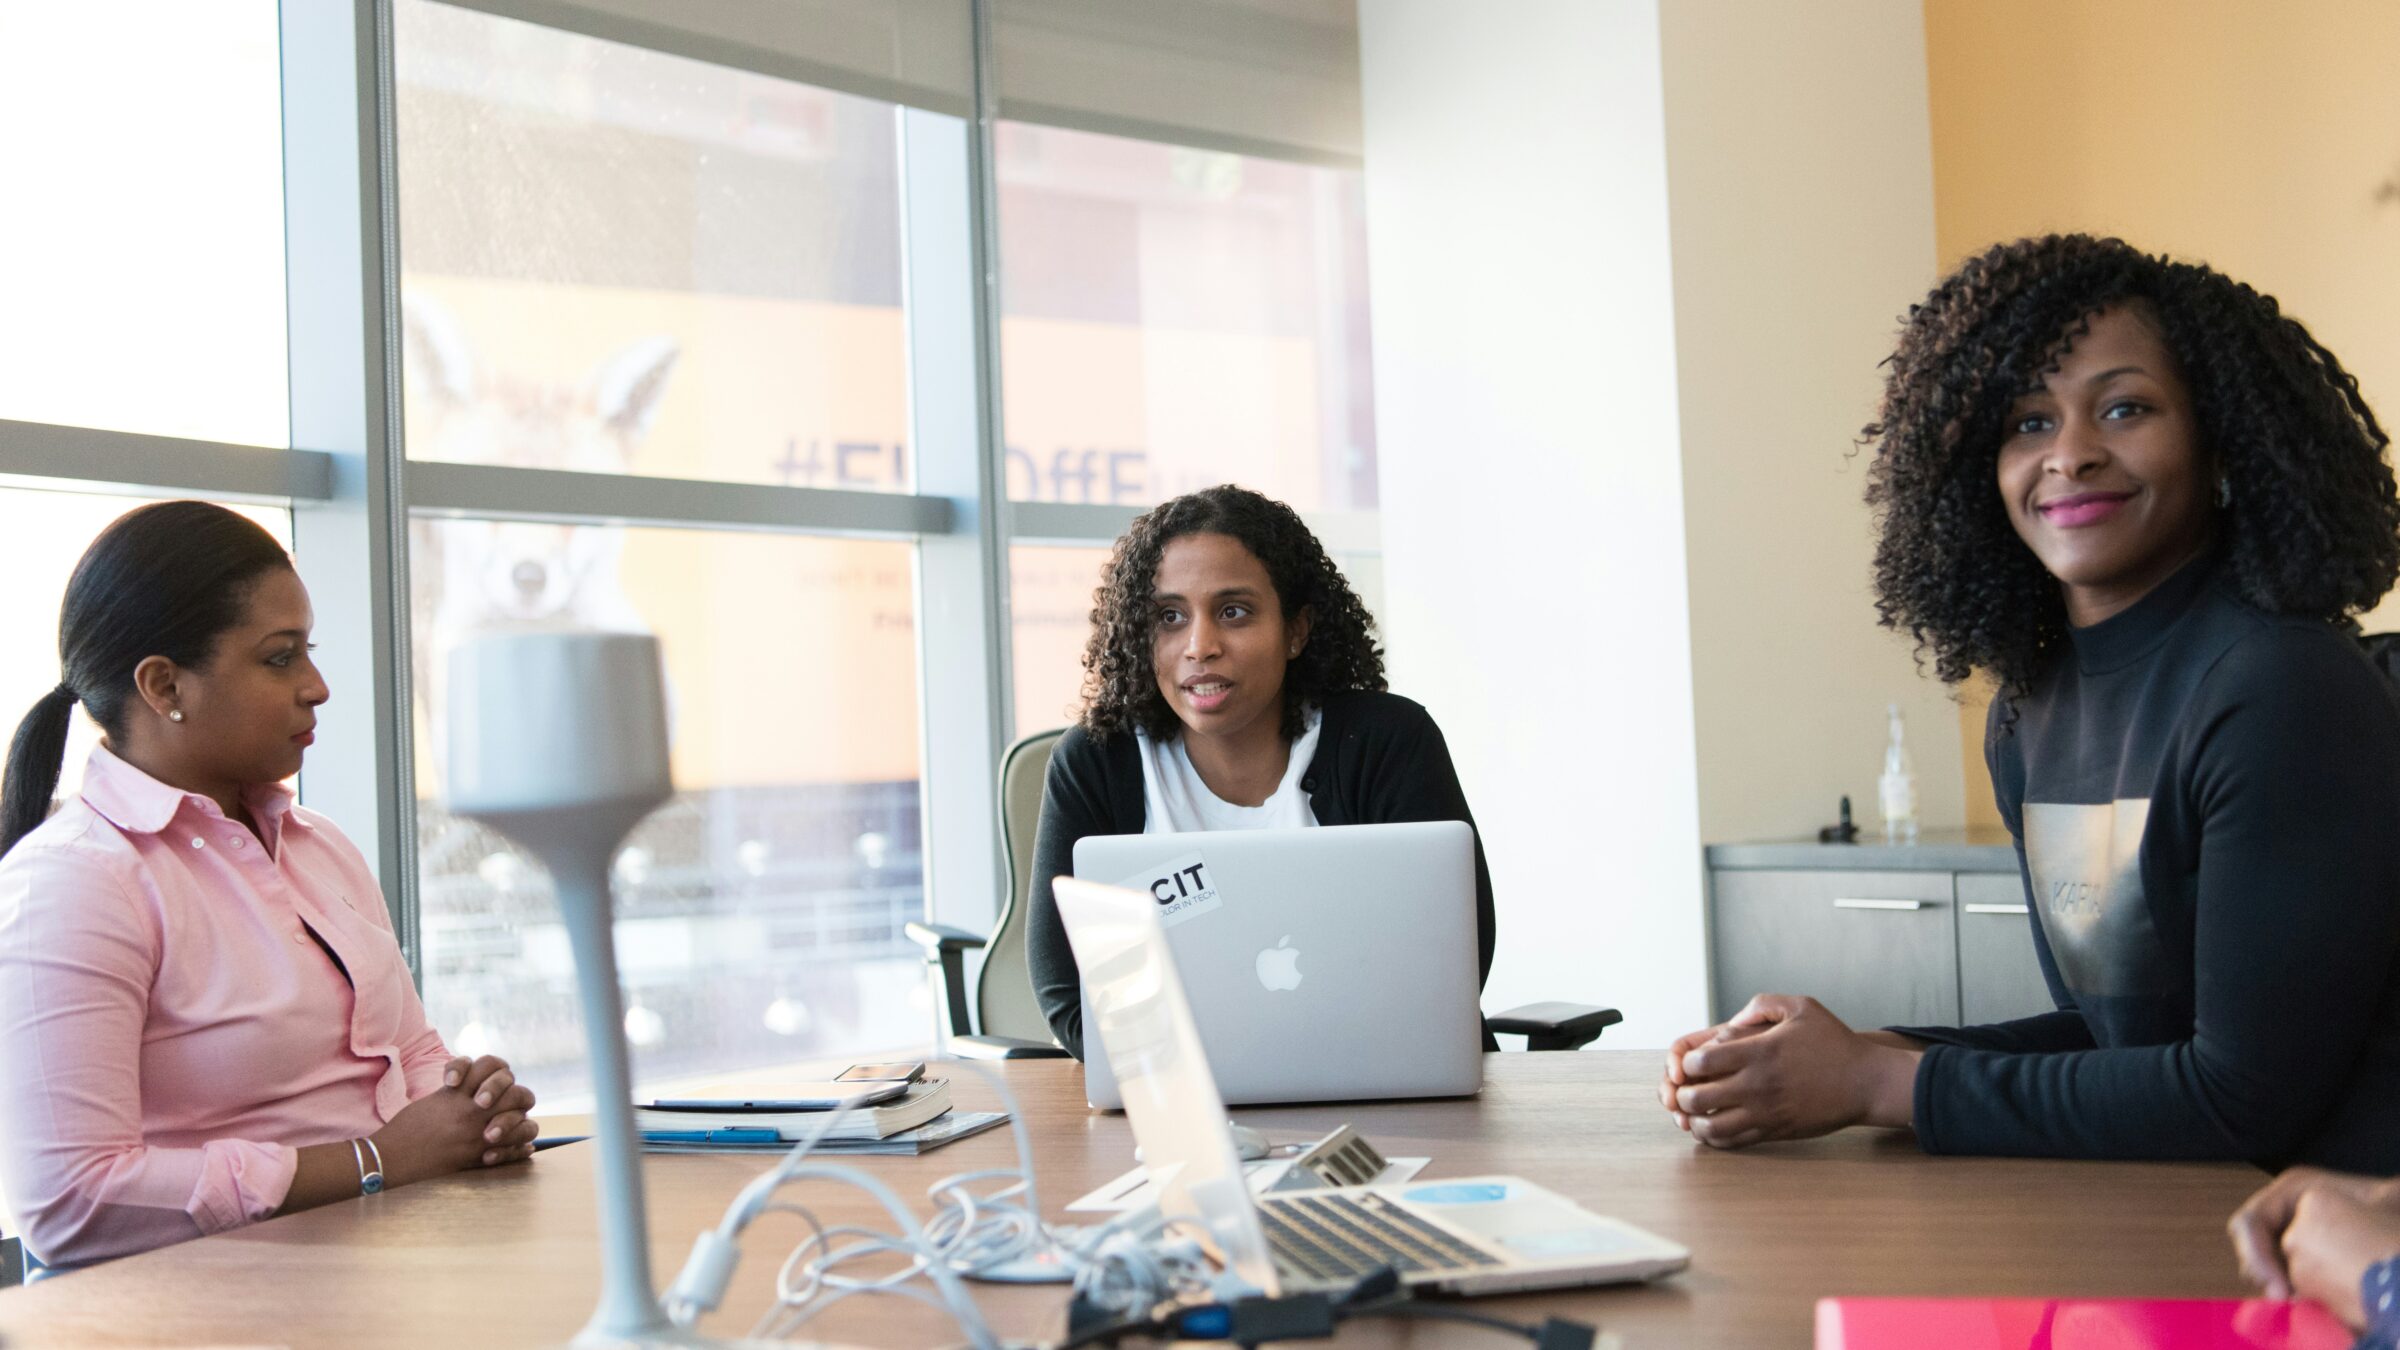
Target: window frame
column 352, row 490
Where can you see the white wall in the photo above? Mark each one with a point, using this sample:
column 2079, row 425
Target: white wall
column 1532, row 495
column 1632, row 277
column 1800, row 185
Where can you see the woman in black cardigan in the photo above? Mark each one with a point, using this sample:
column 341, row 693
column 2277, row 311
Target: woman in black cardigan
column 1232, row 681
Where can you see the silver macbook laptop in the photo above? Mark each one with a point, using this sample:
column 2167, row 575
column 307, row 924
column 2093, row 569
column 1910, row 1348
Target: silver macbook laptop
column 1326, row 964
column 1468, row 1235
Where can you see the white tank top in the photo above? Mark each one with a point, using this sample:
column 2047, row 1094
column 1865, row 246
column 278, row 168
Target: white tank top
column 1176, row 801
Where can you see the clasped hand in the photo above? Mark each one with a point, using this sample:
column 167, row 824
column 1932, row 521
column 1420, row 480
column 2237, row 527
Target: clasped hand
column 478, row 1118
column 2312, row 1234
column 1786, row 1068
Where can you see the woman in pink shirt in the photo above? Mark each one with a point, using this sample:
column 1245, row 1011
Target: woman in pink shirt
column 204, row 1019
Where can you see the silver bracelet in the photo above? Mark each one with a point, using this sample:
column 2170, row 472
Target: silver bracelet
column 369, row 1182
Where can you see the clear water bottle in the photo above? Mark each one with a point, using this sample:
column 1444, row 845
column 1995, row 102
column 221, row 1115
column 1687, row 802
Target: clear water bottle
column 1897, row 789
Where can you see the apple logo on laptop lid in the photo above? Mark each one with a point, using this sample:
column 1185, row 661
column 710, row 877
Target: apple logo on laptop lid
column 1279, row 965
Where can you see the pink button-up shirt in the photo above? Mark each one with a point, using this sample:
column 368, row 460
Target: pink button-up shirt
column 170, row 1031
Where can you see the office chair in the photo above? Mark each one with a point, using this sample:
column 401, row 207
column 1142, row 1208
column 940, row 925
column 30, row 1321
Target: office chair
column 2384, row 650
column 1012, row 1022
column 1008, row 1023
column 1554, row 1026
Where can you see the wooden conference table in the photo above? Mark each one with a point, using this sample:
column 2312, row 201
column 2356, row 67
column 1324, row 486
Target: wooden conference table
column 510, row 1258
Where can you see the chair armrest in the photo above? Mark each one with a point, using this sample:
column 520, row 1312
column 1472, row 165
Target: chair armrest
column 936, row 938
column 947, row 948
column 1003, row 1047
column 1555, row 1026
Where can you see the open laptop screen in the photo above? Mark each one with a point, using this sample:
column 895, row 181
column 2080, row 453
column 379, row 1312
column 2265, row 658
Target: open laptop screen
column 1143, row 1023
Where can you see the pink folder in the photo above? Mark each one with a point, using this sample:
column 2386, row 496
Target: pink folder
column 2075, row 1324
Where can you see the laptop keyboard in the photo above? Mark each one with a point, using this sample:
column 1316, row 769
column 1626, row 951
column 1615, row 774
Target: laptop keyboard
column 1340, row 1237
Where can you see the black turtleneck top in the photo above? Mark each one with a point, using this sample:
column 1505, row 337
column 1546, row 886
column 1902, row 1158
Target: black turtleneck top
column 2206, row 804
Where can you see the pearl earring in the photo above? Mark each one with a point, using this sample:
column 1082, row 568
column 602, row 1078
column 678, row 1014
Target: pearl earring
column 174, row 714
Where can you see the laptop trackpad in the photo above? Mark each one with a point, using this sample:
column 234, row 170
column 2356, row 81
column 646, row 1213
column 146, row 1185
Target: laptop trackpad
column 1516, row 1216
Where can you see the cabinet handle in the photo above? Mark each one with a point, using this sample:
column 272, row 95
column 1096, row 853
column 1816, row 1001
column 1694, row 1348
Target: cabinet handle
column 1879, row 904
column 1996, row 909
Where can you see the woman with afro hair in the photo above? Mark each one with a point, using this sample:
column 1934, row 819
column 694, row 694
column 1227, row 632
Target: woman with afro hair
column 1231, row 682
column 2147, row 505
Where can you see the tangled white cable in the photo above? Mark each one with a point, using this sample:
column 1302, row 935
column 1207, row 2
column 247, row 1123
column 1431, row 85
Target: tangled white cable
column 1131, row 1266
column 1128, row 1265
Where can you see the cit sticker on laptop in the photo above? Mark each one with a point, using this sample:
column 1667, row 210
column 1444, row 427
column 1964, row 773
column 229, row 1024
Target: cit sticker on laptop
column 1181, row 886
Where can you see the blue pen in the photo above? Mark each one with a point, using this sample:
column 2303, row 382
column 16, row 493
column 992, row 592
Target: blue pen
column 736, row 1136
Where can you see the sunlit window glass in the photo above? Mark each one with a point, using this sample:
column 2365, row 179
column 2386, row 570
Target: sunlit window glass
column 1176, row 318
column 1050, row 617
column 760, row 911
column 141, row 244
column 619, row 261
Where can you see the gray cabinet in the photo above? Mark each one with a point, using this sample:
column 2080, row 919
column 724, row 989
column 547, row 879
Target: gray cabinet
column 1926, row 934
column 1999, row 977
column 1875, row 947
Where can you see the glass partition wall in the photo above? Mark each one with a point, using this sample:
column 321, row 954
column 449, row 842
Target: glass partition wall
column 829, row 341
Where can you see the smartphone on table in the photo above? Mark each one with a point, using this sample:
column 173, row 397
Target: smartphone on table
column 899, row 1072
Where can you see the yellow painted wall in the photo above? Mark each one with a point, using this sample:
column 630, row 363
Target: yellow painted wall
column 1811, row 116
column 2260, row 138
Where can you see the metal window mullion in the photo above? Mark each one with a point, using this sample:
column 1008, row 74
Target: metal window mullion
column 991, row 450
column 952, row 312
column 1068, row 522
column 120, row 460
column 341, row 301
column 1342, row 532
column 498, row 492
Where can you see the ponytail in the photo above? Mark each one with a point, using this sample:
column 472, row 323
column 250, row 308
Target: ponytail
column 165, row 579
column 34, row 760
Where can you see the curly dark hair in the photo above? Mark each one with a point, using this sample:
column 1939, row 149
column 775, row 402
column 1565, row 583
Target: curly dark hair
column 2313, row 524
column 1120, row 686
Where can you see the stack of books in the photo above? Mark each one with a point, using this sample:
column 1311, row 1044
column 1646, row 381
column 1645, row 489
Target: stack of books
column 908, row 1118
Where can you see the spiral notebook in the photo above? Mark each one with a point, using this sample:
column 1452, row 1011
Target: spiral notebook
column 905, row 1107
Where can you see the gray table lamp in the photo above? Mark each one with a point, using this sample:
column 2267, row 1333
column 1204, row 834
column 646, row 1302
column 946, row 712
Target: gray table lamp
column 559, row 741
